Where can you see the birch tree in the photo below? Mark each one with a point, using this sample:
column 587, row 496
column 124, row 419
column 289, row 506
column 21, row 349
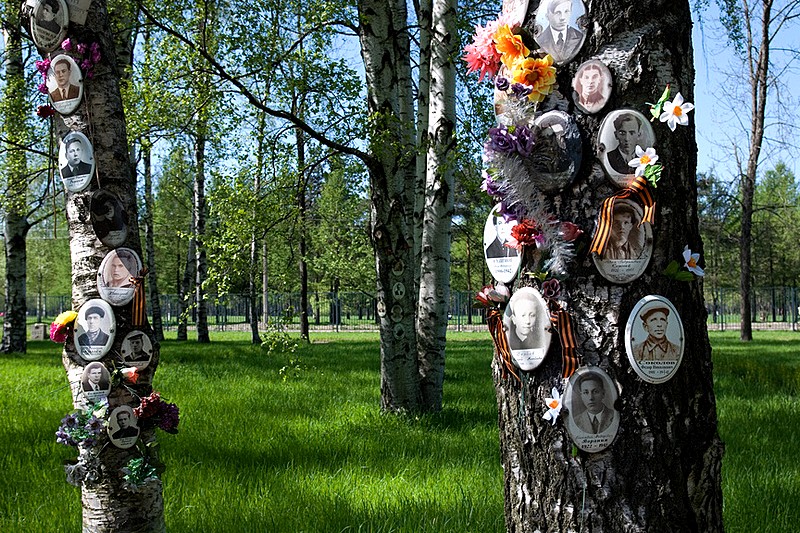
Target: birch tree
column 661, row 471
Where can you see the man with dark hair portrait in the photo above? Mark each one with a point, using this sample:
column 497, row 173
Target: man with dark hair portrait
column 597, row 416
column 656, row 347
column 126, row 426
column 624, row 239
column 94, row 335
column 62, row 70
column 589, row 87
column 558, row 38
column 45, row 17
column 76, row 166
column 497, row 247
column 94, row 378
column 628, row 132
column 137, row 354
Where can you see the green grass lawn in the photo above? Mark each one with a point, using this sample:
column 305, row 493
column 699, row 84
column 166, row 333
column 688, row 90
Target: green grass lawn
column 306, row 449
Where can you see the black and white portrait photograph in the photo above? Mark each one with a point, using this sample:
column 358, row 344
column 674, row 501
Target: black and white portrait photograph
column 76, row 161
column 114, row 276
column 630, row 244
column 123, row 429
column 560, row 28
column 49, row 24
column 620, row 132
column 95, row 382
column 502, row 261
column 65, row 83
column 527, row 324
column 109, row 219
column 94, row 329
column 593, row 420
column 654, row 339
column 136, row 349
column 556, row 156
column 591, row 86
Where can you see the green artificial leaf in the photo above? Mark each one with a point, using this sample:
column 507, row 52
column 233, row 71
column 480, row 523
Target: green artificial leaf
column 671, row 269
column 653, row 174
column 655, row 109
column 574, row 451
column 684, row 276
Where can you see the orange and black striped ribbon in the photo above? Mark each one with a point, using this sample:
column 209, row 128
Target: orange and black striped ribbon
column 495, row 321
column 639, row 191
column 569, row 358
column 138, row 311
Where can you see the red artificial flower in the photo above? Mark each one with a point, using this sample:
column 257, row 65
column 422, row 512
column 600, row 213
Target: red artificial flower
column 45, row 111
column 526, row 233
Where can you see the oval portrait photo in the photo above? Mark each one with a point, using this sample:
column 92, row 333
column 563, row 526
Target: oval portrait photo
column 654, row 339
column 65, row 84
column 502, row 261
column 49, row 23
column 114, row 276
column 630, row 244
column 590, row 397
column 95, row 382
column 619, row 134
column 556, row 155
column 136, row 349
column 109, row 219
column 76, row 161
column 123, row 428
column 560, row 28
column 591, row 86
column 527, row 325
column 94, row 329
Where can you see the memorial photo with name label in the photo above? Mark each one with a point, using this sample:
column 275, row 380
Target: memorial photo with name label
column 593, row 420
column 64, row 84
column 94, row 329
column 560, row 28
column 76, row 161
column 49, row 24
column 503, row 261
column 527, row 325
column 114, row 278
column 136, row 349
column 123, row 429
column 621, row 131
column 630, row 244
column 654, row 339
column 95, row 382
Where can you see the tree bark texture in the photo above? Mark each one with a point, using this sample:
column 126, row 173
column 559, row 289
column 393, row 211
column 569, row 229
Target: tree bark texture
column 424, row 14
column 662, row 471
column 434, row 281
column 201, row 267
column 385, row 49
column 302, row 240
column 107, row 506
column 14, row 115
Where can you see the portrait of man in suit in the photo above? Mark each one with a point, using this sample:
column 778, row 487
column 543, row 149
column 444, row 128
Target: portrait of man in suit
column 559, row 38
column 592, row 84
column 94, row 334
column 502, row 231
column 137, row 353
column 95, row 378
column 628, row 133
column 76, row 166
column 125, row 424
column 45, row 16
column 62, row 71
column 592, row 415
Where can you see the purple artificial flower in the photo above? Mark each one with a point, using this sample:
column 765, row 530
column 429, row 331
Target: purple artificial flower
column 489, row 185
column 66, row 45
column 501, row 83
column 508, row 213
column 43, row 88
column 86, row 65
column 521, row 90
column 70, row 421
column 82, row 48
column 523, row 140
column 500, row 140
column 43, row 65
column 95, row 425
column 169, row 416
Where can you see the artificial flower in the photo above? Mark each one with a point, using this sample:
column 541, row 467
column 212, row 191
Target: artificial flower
column 521, row 90
column 500, row 140
column 644, row 158
column 538, row 74
column 45, row 111
column 67, row 45
column 489, row 295
column 482, row 56
column 523, row 140
column 675, row 112
column 526, row 233
column 489, row 185
column 60, row 328
column 130, row 373
column 42, row 88
column 551, row 289
column 553, row 406
column 501, row 83
column 43, row 65
column 569, row 231
column 165, row 415
column 510, row 46
column 691, row 261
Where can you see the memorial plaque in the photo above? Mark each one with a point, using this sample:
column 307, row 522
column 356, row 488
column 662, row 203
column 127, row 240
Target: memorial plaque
column 629, row 246
column 619, row 134
column 94, row 329
column 49, row 23
column 114, row 276
column 95, row 382
column 123, row 429
column 560, row 28
column 527, row 324
column 502, row 261
column 592, row 421
column 65, row 84
column 76, row 161
column 591, row 86
column 654, row 339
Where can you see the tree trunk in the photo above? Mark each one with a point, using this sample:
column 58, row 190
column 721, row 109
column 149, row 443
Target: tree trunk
column 185, row 291
column 201, row 268
column 758, row 78
column 107, row 506
column 424, row 14
column 14, row 204
column 149, row 237
column 253, row 270
column 661, row 473
column 302, row 244
column 265, row 282
column 434, row 282
column 385, row 49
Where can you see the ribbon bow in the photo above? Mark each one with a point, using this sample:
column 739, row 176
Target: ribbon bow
column 639, row 191
column 495, row 322
column 138, row 311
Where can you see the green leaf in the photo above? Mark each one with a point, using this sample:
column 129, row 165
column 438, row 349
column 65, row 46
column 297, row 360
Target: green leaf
column 655, row 109
column 671, row 269
column 684, row 275
column 653, row 174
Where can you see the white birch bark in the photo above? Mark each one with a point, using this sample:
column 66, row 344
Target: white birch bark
column 434, row 286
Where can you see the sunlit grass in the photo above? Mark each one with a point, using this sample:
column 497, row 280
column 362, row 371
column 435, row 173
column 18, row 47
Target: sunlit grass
column 257, row 452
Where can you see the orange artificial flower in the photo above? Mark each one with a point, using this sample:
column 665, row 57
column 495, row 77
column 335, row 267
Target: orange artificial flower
column 539, row 74
column 510, row 46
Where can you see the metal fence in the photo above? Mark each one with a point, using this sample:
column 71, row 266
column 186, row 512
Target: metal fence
column 773, row 308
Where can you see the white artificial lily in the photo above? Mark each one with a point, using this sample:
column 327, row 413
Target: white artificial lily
column 676, row 112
